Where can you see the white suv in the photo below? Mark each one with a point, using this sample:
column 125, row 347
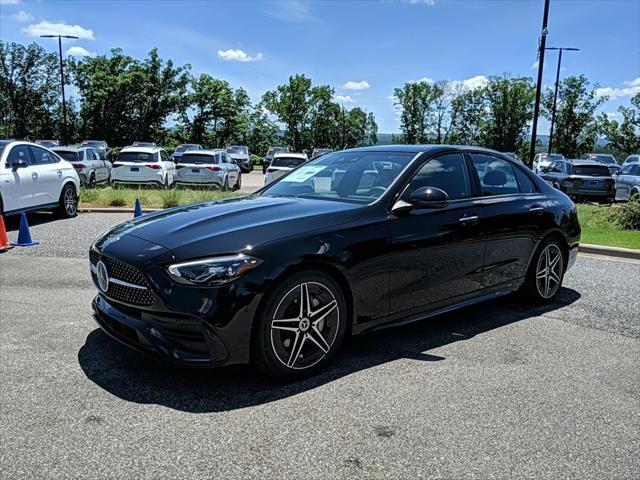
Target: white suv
column 143, row 166
column 35, row 178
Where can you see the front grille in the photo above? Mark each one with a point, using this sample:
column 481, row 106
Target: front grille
column 126, row 273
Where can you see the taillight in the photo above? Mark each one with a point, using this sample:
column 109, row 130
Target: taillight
column 214, row 168
column 153, row 166
column 78, row 166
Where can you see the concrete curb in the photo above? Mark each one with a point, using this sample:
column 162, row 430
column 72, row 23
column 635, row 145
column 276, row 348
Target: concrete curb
column 605, row 251
column 114, row 210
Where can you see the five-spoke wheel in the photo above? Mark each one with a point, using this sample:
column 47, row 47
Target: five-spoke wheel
column 545, row 275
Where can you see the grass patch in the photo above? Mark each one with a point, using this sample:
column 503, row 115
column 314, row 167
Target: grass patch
column 600, row 227
column 149, row 198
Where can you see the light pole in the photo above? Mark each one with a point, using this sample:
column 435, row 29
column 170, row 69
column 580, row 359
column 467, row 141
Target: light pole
column 536, row 107
column 555, row 93
column 63, row 140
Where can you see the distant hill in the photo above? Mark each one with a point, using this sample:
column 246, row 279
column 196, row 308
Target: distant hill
column 385, row 139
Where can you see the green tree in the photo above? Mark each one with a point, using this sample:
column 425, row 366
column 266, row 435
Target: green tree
column 576, row 129
column 29, row 91
column 262, row 133
column 624, row 137
column 467, row 116
column 417, row 101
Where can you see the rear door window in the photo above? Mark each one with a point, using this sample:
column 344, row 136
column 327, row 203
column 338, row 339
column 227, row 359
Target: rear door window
column 497, row 176
column 19, row 152
column 42, row 156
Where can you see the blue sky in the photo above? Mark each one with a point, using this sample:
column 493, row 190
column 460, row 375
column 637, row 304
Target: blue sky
column 362, row 48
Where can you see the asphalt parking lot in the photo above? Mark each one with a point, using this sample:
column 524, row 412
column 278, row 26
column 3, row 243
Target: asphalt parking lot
column 499, row 390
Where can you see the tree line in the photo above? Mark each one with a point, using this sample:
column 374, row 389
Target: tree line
column 120, row 99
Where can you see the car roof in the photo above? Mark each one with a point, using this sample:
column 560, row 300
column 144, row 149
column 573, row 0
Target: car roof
column 585, row 161
column 290, row 155
column 416, row 149
column 141, row 149
column 206, row 152
column 70, row 148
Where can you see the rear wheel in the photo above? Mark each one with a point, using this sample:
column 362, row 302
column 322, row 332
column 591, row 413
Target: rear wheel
column 301, row 327
column 92, row 180
column 239, row 182
column 68, row 203
column 225, row 185
column 546, row 272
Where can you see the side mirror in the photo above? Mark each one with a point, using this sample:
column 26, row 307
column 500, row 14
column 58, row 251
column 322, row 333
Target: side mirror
column 425, row 197
column 19, row 163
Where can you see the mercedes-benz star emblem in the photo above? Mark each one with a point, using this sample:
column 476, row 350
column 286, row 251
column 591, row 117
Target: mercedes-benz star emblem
column 103, row 276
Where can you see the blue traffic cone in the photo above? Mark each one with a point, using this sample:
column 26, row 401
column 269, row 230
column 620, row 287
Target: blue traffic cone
column 24, row 236
column 137, row 211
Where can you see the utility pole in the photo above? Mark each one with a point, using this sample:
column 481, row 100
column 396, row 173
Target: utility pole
column 555, row 93
column 63, row 140
column 536, row 107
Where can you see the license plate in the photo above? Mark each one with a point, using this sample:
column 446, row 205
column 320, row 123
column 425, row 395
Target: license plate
column 594, row 183
column 195, row 170
column 135, row 169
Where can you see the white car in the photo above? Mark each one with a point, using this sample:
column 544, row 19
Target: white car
column 208, row 167
column 282, row 164
column 143, row 166
column 542, row 160
column 34, row 178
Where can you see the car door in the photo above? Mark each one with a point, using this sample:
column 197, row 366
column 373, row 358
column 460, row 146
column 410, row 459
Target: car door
column 19, row 184
column 49, row 171
column 514, row 217
column 436, row 254
column 102, row 167
column 232, row 168
column 623, row 182
column 168, row 166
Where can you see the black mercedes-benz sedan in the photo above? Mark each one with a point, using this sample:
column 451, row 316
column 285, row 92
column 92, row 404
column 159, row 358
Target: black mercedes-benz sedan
column 351, row 242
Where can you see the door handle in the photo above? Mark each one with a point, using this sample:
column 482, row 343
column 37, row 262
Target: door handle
column 536, row 209
column 34, row 175
column 466, row 220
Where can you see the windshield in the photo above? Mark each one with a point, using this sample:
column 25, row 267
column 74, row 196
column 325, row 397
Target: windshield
column 196, row 158
column 291, row 162
column 358, row 177
column 273, row 150
column 67, row 155
column 137, row 157
column 608, row 159
column 591, row 170
column 185, row 147
column 94, row 143
column 237, row 150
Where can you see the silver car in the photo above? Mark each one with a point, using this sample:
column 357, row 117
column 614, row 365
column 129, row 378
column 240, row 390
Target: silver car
column 213, row 168
column 88, row 163
column 628, row 182
column 632, row 159
column 240, row 154
column 542, row 160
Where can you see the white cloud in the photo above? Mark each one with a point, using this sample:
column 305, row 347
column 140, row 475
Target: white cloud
column 292, row 11
column 633, row 87
column 344, row 98
column 48, row 28
column 351, row 85
column 534, row 65
column 9, row 2
column 237, row 55
column 22, row 17
column 79, row 52
column 472, row 83
column 429, row 3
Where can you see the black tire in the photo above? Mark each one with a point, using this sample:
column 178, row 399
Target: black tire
column 299, row 345
column 225, row 185
column 92, row 181
column 546, row 272
column 239, row 182
column 68, row 203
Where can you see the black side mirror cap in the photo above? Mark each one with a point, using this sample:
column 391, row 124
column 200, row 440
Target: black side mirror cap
column 17, row 164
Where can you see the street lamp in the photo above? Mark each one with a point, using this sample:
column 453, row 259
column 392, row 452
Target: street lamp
column 555, row 93
column 64, row 107
column 536, row 107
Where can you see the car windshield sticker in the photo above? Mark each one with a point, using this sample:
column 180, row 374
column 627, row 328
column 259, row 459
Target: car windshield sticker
column 304, row 173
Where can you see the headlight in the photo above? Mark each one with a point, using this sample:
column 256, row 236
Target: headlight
column 213, row 271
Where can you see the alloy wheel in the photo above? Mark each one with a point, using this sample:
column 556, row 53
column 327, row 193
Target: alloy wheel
column 69, row 199
column 549, row 271
column 305, row 325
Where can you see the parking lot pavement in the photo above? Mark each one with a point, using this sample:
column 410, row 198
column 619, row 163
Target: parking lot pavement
column 252, row 181
column 499, row 390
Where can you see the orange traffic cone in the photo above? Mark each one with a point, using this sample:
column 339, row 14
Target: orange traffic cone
column 4, row 241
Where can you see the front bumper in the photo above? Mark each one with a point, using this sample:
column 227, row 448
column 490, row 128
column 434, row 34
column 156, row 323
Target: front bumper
column 164, row 339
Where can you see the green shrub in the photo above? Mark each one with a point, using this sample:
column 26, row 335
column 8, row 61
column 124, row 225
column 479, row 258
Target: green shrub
column 628, row 216
column 256, row 159
column 116, row 197
column 170, row 198
column 89, row 195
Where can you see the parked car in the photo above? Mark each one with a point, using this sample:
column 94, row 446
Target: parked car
column 100, row 145
column 48, row 143
column 544, row 159
column 144, row 144
column 184, row 147
column 35, row 178
column 320, row 151
column 266, row 161
column 143, row 166
column 632, row 159
column 628, row 182
column 208, row 167
column 89, row 164
column 281, row 277
column 240, row 154
column 580, row 179
column 282, row 164
column 604, row 158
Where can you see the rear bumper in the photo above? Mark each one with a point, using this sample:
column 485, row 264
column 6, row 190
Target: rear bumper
column 183, row 345
column 118, row 181
column 214, row 181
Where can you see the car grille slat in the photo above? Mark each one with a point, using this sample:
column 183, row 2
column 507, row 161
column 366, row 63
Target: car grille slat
column 140, row 294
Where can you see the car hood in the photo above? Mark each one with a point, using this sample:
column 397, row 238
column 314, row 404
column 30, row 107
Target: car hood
column 231, row 225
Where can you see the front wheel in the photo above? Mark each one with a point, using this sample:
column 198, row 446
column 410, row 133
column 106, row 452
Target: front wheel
column 546, row 273
column 68, row 203
column 239, row 182
column 301, row 327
